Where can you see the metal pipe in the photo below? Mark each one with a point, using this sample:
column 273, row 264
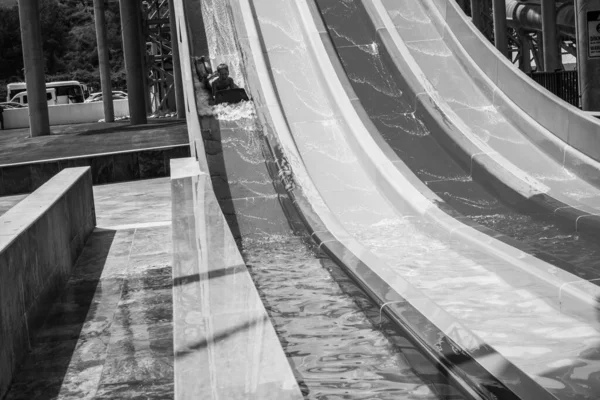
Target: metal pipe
column 549, row 32
column 179, row 101
column 33, row 58
column 500, row 33
column 103, row 60
column 528, row 15
column 130, row 26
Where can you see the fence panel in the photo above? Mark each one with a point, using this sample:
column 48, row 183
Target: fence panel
column 563, row 84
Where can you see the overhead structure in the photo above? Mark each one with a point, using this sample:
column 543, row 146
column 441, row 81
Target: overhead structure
column 542, row 34
column 162, row 58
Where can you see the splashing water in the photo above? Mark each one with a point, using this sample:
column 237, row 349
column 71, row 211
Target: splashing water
column 234, row 112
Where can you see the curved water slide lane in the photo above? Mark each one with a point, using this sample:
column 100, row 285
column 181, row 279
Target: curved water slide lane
column 395, row 114
column 372, row 76
column 332, row 334
column 484, row 292
column 483, row 137
column 483, row 125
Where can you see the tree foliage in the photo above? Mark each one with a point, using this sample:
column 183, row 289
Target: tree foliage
column 69, row 43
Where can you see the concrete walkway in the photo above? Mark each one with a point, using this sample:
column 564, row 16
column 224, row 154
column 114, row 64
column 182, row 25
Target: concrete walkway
column 110, row 333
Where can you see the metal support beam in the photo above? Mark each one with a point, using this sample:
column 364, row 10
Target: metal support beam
column 500, row 35
column 103, row 61
column 525, row 61
column 179, row 101
column 588, row 54
column 549, row 32
column 33, row 58
column 539, row 61
column 130, row 26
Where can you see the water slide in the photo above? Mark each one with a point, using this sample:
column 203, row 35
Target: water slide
column 500, row 308
column 333, row 335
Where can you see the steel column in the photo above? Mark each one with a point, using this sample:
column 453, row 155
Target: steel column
column 103, row 60
column 131, row 29
column 33, row 58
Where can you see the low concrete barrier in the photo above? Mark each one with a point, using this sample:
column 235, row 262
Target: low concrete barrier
column 223, row 339
column 224, row 343
column 66, row 114
column 40, row 240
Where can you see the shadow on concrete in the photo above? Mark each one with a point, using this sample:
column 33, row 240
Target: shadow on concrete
column 42, row 371
column 124, row 128
column 214, row 338
column 213, row 146
column 186, row 280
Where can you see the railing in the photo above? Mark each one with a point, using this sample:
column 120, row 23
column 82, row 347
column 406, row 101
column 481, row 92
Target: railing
column 563, row 84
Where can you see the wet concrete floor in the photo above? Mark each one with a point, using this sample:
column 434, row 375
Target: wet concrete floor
column 109, row 335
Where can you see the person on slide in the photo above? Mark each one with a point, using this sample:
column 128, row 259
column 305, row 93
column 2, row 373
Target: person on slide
column 224, row 81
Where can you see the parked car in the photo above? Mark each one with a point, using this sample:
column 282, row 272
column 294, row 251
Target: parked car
column 8, row 105
column 117, row 95
column 21, row 97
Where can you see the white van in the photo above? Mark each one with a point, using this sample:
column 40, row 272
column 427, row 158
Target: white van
column 66, row 92
column 21, row 97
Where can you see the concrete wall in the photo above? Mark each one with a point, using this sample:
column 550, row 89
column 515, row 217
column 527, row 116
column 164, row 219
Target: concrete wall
column 66, row 114
column 40, row 240
column 105, row 167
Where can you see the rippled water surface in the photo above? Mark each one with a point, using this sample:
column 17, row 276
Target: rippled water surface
column 338, row 344
column 332, row 333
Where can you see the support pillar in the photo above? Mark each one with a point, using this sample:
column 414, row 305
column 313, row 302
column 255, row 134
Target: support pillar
column 549, row 32
column 177, row 82
column 103, row 61
column 588, row 52
column 500, row 29
column 476, row 14
column 130, row 28
column 33, row 58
